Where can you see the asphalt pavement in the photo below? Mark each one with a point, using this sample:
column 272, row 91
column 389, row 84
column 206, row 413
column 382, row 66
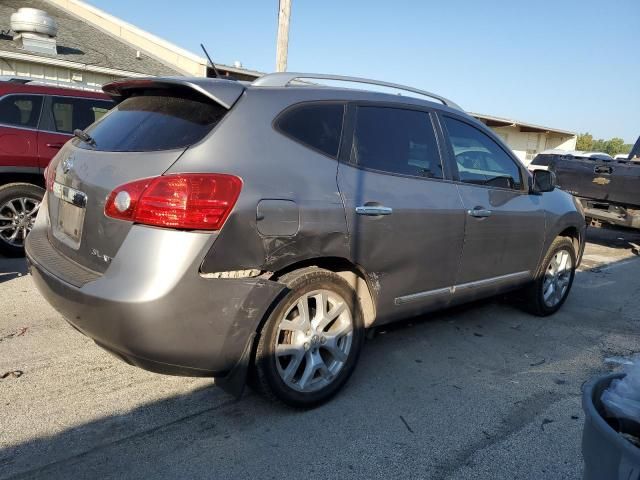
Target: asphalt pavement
column 484, row 391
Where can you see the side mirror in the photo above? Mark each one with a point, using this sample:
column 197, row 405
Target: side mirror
column 543, row 181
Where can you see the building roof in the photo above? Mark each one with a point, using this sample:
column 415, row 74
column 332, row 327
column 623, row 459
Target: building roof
column 492, row 121
column 80, row 42
column 180, row 60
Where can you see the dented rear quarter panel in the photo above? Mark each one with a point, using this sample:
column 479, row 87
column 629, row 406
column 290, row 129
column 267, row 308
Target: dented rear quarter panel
column 272, row 167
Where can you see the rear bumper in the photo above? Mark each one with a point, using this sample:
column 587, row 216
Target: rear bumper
column 152, row 308
column 614, row 214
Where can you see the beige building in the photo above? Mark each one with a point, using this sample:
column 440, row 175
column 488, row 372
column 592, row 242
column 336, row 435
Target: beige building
column 80, row 54
column 94, row 47
column 526, row 139
column 91, row 48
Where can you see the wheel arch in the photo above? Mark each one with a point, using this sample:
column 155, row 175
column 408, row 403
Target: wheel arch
column 574, row 234
column 7, row 178
column 355, row 276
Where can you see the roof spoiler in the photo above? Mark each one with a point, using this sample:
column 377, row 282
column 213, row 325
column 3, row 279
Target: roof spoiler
column 223, row 92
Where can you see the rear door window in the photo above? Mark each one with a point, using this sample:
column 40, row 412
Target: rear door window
column 20, row 110
column 479, row 158
column 396, row 140
column 155, row 120
column 316, row 125
column 70, row 114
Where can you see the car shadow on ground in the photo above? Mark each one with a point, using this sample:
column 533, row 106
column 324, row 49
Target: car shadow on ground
column 442, row 353
column 615, row 237
column 11, row 268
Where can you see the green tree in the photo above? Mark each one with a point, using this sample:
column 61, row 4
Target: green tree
column 614, row 146
column 599, row 145
column 584, row 142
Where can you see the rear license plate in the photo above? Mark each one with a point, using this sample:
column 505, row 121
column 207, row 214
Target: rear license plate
column 71, row 209
column 70, row 220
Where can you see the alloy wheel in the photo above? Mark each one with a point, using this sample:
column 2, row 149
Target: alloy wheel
column 313, row 341
column 556, row 278
column 17, row 217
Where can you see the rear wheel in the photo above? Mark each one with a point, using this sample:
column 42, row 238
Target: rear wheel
column 310, row 344
column 549, row 291
column 19, row 204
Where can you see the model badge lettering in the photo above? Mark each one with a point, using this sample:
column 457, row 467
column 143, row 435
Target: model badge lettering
column 96, row 253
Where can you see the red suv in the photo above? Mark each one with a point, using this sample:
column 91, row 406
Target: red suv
column 35, row 122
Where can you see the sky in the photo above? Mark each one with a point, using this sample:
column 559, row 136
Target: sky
column 567, row 64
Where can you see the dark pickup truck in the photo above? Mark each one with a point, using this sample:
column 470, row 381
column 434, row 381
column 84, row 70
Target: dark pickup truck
column 608, row 188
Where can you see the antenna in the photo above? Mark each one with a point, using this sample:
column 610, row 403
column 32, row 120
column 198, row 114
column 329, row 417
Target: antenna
column 215, row 71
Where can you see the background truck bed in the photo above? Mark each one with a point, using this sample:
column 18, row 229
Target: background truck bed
column 605, row 180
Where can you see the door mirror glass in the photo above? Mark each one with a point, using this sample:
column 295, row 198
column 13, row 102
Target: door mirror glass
column 544, row 181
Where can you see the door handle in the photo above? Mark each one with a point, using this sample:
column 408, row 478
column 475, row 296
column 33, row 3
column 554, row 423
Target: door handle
column 55, row 145
column 603, row 170
column 479, row 213
column 373, row 210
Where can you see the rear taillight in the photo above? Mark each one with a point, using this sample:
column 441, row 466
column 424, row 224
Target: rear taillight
column 49, row 176
column 192, row 201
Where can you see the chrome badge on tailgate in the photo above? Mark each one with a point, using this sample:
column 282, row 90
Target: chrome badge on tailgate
column 71, row 209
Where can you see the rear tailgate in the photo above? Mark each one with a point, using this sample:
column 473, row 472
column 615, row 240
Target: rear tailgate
column 615, row 181
column 140, row 138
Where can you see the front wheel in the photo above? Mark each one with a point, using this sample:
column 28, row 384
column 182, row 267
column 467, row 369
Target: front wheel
column 549, row 291
column 310, row 344
column 19, row 204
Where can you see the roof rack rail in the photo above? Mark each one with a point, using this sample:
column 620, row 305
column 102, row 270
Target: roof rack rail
column 12, row 79
column 282, row 79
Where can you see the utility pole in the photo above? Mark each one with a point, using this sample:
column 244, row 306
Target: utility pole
column 284, row 13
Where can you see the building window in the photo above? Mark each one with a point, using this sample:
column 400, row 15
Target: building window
column 531, row 154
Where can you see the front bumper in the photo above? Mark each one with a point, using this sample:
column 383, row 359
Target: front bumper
column 152, row 308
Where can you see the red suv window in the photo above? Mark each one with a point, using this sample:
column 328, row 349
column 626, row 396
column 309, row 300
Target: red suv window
column 70, row 113
column 20, row 110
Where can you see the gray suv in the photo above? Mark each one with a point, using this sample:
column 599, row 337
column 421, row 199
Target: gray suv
column 209, row 227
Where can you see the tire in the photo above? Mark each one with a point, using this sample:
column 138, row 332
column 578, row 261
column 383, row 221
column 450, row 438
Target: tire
column 549, row 291
column 19, row 202
column 323, row 353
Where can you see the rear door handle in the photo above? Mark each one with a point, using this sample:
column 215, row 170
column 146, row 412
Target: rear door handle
column 373, row 210
column 479, row 212
column 55, row 145
column 603, row 170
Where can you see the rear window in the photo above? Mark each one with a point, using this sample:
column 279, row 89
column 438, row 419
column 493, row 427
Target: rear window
column 155, row 120
column 316, row 125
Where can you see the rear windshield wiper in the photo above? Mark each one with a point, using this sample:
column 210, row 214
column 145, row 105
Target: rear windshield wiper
column 84, row 136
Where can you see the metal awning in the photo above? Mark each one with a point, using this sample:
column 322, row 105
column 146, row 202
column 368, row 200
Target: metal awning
column 492, row 121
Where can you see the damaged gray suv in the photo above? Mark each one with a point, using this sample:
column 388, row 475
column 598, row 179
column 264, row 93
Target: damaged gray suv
column 209, row 227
